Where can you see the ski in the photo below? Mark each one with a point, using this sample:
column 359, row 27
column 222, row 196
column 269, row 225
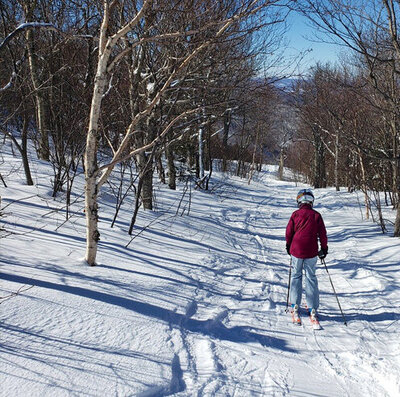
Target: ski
column 315, row 324
column 314, row 320
column 296, row 315
column 296, row 319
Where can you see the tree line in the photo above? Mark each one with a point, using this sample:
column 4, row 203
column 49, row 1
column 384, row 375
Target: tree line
column 140, row 89
column 137, row 85
column 348, row 115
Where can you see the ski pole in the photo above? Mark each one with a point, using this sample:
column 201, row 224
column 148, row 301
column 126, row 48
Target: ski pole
column 288, row 289
column 341, row 311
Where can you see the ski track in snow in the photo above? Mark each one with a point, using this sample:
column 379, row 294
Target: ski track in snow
column 196, row 306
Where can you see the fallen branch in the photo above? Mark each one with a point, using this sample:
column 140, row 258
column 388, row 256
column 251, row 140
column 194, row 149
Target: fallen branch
column 13, row 294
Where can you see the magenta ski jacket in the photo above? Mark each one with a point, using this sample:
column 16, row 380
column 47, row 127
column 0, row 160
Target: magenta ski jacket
column 304, row 229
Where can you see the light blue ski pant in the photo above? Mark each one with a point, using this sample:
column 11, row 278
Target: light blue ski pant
column 311, row 282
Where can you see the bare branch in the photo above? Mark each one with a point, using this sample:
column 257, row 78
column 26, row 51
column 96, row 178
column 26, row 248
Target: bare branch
column 119, row 158
column 13, row 294
column 26, row 26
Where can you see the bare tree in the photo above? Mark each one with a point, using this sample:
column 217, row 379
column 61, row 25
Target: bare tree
column 142, row 77
column 109, row 56
column 369, row 29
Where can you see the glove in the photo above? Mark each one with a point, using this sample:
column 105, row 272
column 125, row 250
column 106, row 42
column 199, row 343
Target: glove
column 323, row 253
column 288, row 248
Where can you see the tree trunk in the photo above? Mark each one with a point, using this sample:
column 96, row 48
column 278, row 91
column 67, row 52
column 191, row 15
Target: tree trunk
column 147, row 191
column 92, row 175
column 145, row 161
column 42, row 119
column 395, row 165
column 90, row 157
column 91, row 206
column 253, row 160
column 137, row 205
column 227, row 122
column 171, row 166
column 41, row 110
column 337, row 163
column 145, row 167
column 319, row 160
column 160, row 169
column 364, row 185
column 209, row 158
column 281, row 163
column 24, row 152
column 201, row 143
column 201, row 151
column 379, row 209
column 192, row 159
column 397, row 221
column 23, row 149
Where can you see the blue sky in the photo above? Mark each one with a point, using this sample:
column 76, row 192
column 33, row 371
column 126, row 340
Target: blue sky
column 300, row 35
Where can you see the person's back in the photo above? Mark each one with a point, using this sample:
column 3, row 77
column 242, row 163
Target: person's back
column 304, row 229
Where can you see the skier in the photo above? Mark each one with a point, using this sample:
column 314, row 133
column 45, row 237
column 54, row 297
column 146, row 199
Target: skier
column 303, row 231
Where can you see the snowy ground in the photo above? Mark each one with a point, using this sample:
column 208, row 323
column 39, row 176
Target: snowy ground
column 195, row 306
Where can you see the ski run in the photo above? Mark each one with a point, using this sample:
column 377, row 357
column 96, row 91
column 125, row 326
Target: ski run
column 195, row 304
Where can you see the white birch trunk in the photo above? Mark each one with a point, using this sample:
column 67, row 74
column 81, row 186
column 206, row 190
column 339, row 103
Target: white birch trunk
column 95, row 176
column 364, row 185
column 281, row 162
column 201, row 151
column 337, row 162
column 91, row 168
column 40, row 99
column 92, row 181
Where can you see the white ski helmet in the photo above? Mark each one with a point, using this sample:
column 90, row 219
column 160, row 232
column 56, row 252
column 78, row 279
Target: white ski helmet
column 305, row 196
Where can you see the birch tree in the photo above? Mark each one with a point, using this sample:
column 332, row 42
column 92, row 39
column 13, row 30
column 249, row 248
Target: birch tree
column 42, row 59
column 38, row 81
column 110, row 53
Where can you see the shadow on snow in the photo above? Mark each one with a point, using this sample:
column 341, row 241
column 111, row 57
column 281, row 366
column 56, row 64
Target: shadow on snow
column 238, row 334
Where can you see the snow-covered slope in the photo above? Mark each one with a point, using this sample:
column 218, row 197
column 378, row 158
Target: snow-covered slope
column 195, row 305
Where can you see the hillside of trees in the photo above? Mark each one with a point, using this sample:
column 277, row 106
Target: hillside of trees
column 162, row 90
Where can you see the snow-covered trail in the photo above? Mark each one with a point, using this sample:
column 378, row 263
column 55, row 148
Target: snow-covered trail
column 196, row 305
column 279, row 358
